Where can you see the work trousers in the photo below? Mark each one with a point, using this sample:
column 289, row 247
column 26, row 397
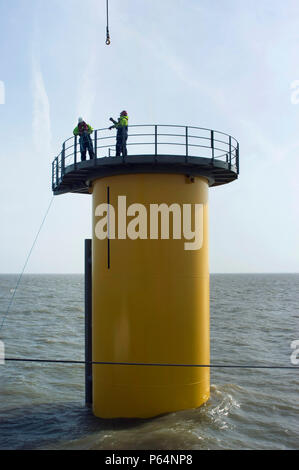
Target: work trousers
column 86, row 144
column 121, row 141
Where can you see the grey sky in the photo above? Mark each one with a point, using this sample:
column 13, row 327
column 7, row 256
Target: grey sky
column 223, row 65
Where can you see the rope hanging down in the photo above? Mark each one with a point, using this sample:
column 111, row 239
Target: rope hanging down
column 27, row 259
column 107, row 28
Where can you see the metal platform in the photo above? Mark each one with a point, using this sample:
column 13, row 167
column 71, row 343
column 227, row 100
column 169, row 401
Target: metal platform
column 205, row 152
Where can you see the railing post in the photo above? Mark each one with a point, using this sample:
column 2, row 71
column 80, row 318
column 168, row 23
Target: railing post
column 63, row 159
column 57, row 174
column 187, row 149
column 96, row 144
column 52, row 175
column 230, row 152
column 156, row 140
column 237, row 158
column 212, row 146
column 75, row 152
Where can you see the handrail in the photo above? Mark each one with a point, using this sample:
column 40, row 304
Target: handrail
column 221, row 146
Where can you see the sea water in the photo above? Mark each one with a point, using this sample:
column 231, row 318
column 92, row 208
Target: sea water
column 254, row 320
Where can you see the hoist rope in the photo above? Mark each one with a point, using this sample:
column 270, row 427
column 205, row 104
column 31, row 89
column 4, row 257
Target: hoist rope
column 107, row 28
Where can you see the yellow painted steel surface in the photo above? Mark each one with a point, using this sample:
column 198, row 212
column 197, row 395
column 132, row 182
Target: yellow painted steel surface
column 150, row 306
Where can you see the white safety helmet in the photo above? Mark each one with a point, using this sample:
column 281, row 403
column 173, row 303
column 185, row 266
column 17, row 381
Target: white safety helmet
column 80, row 119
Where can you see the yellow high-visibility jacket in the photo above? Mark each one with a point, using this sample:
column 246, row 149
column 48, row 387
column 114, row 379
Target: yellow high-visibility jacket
column 77, row 132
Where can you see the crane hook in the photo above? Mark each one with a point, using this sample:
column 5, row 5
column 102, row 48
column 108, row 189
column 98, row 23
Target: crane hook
column 108, row 38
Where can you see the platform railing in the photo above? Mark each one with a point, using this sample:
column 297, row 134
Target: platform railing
column 153, row 139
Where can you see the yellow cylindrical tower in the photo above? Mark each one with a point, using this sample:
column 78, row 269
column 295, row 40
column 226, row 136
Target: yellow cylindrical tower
column 150, row 299
column 147, row 332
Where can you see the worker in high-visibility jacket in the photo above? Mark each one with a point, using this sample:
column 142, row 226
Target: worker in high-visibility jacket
column 84, row 131
column 122, row 133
